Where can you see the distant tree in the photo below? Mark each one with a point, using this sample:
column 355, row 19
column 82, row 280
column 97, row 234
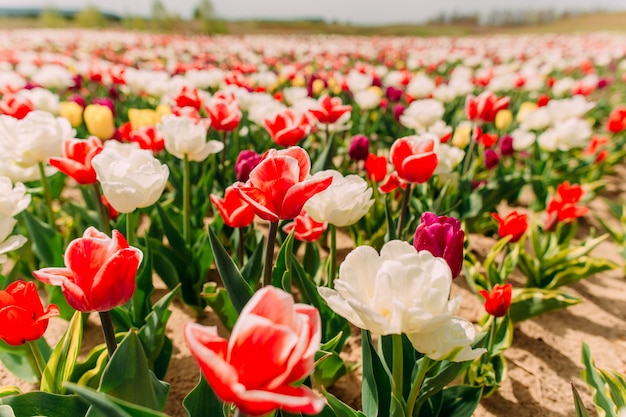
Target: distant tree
column 161, row 18
column 90, row 17
column 134, row 23
column 52, row 18
column 210, row 22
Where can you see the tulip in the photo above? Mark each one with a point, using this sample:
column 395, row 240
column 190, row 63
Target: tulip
column 188, row 97
column 247, row 160
column 492, row 159
column 485, row 107
column 443, row 237
column 498, row 301
column 147, row 137
column 287, row 128
column 225, row 114
column 105, row 101
column 99, row 121
column 329, row 109
column 414, row 158
column 13, row 198
column 184, row 138
column 77, row 157
column 513, row 224
column 131, row 178
column 305, row 228
column 359, row 148
column 235, row 211
column 503, row 119
column 617, row 120
column 421, row 114
column 142, row 117
column 376, row 167
column 562, row 207
column 72, row 111
column 9, row 243
column 506, row 145
column 22, row 314
column 99, row 271
column 272, row 347
column 16, row 106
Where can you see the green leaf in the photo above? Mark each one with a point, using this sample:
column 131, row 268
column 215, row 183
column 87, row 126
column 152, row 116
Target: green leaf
column 61, row 362
column 164, row 267
column 39, row 403
column 325, row 158
column 174, row 236
column 217, row 298
column 202, row 402
column 17, row 363
column 329, row 367
column 579, row 269
column 490, row 261
column 601, row 390
column 140, row 302
column 391, row 225
column 238, row 289
column 281, row 273
column 530, row 302
column 9, row 390
column 253, row 269
column 47, row 244
column 89, row 372
column 504, row 335
column 376, row 385
column 152, row 333
column 581, row 411
column 109, row 406
column 128, row 378
column 340, row 409
column 460, row 400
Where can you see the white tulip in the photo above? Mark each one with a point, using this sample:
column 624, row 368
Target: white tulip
column 183, row 136
column 13, row 199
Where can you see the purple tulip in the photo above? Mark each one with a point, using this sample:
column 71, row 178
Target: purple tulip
column 359, row 148
column 492, row 159
column 393, row 94
column 398, row 110
column 443, row 237
column 246, row 161
column 506, row 145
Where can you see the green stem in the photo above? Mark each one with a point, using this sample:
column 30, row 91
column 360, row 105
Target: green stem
column 333, row 255
column 403, row 210
column 469, row 156
column 186, row 199
column 46, row 193
column 398, row 366
column 417, row 386
column 269, row 253
column 36, row 359
column 131, row 233
column 241, row 247
column 224, row 155
column 492, row 340
column 102, row 210
column 107, row 330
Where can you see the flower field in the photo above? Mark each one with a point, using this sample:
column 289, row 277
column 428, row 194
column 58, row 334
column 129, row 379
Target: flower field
column 312, row 225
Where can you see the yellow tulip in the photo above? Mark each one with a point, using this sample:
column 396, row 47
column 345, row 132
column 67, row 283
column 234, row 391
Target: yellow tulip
column 317, row 87
column 142, row 117
column 162, row 110
column 72, row 111
column 99, row 121
column 504, row 118
column 524, row 109
column 298, row 81
column 461, row 136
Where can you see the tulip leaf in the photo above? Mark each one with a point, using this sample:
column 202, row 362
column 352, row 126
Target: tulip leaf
column 329, row 368
column 128, row 378
column 17, row 363
column 579, row 406
column 9, row 390
column 61, row 362
column 391, row 225
column 376, row 386
column 110, row 406
column 311, row 259
column 253, row 269
column 432, row 406
column 140, row 301
column 530, row 302
column 325, row 158
column 217, row 298
column 174, row 236
column 89, row 372
column 202, row 402
column 47, row 244
column 164, row 267
column 340, row 409
column 460, row 400
column 39, row 403
column 608, row 387
column 238, row 289
column 281, row 273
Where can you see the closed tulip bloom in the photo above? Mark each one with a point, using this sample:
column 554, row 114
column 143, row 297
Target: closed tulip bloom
column 235, row 211
column 142, row 117
column 443, row 237
column 99, row 271
column 414, row 158
column 329, row 109
column 359, row 148
column 376, row 167
column 225, row 114
column 72, row 111
column 99, row 121
column 492, row 159
column 617, row 120
column 22, row 314
column 280, row 185
column 271, row 347
column 247, row 160
column 131, row 178
column 105, row 101
column 287, row 128
column 506, row 145
column 498, row 301
column 485, row 107
column 183, row 136
column 147, row 137
column 399, row 291
column 513, row 224
column 343, row 203
column 305, row 228
column 76, row 160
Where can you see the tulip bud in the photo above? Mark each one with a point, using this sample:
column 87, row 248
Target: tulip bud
column 461, row 136
column 393, row 94
column 506, row 145
column 443, row 237
column 359, row 148
column 246, row 161
column 513, row 224
column 498, row 301
column 398, row 110
column 72, row 111
column 503, row 119
column 99, row 121
column 492, row 159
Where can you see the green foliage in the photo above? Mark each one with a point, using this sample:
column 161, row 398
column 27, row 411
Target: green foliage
column 90, row 17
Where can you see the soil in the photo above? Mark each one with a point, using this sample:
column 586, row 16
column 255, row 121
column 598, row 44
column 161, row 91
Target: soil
column 543, row 362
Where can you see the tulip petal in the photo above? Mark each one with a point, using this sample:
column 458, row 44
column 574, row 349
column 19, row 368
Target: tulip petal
column 299, row 194
column 419, row 168
column 114, row 283
column 290, row 399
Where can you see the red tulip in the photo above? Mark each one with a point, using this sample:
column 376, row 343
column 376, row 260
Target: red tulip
column 271, row 348
column 485, row 107
column 288, row 128
column 513, row 224
column 376, row 167
column 22, row 315
column 498, row 301
column 188, row 96
column 414, row 158
column 225, row 114
column 235, row 211
column 617, row 120
column 305, row 228
column 147, row 137
column 99, row 271
column 76, row 160
column 15, row 106
column 280, row 185
column 562, row 207
column 330, row 109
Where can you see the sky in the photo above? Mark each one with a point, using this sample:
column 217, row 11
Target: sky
column 344, row 11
